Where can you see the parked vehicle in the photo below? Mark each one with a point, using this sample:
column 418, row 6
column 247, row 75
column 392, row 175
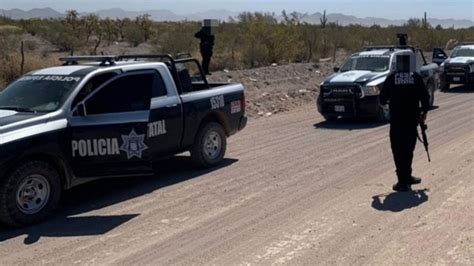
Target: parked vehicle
column 458, row 68
column 109, row 117
column 353, row 90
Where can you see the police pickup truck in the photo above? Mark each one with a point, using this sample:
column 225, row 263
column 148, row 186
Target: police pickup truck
column 458, row 68
column 353, row 90
column 106, row 117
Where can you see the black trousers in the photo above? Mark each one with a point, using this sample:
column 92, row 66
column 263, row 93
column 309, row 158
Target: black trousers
column 403, row 141
column 206, row 61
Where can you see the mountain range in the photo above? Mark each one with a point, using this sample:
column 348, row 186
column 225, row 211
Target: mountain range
column 167, row 15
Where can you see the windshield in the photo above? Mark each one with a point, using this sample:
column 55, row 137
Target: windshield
column 463, row 52
column 38, row 93
column 369, row 63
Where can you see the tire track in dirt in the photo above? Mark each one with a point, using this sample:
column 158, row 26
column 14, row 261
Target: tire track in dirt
column 297, row 194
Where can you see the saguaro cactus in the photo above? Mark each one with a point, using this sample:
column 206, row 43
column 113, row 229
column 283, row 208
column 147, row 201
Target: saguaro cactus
column 324, row 20
column 424, row 22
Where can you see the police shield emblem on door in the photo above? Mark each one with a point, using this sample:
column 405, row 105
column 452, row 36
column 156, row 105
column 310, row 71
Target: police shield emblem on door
column 134, row 145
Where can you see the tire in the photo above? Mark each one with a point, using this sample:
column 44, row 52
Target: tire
column 29, row 194
column 330, row 118
column 445, row 86
column 380, row 117
column 210, row 146
column 431, row 91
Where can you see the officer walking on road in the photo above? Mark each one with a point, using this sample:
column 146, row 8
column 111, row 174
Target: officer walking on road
column 408, row 99
column 206, row 35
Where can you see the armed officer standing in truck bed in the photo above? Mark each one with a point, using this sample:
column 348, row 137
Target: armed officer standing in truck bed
column 404, row 91
column 206, row 36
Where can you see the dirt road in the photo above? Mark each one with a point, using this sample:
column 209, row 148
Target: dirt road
column 293, row 190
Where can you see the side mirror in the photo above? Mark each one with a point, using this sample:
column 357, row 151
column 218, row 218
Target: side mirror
column 81, row 110
column 336, row 69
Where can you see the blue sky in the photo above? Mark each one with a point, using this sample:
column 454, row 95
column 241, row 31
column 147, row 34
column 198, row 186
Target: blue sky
column 401, row 9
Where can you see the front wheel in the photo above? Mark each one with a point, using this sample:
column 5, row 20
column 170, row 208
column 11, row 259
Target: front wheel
column 29, row 194
column 210, row 145
column 445, row 86
column 381, row 115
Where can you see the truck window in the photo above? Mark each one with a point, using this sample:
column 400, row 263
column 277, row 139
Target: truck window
column 466, row 52
column 94, row 83
column 127, row 94
column 369, row 63
column 39, row 93
column 159, row 87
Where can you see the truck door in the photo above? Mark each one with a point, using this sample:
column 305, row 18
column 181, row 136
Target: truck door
column 109, row 128
column 165, row 127
column 439, row 56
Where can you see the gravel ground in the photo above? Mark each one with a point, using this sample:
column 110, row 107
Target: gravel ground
column 292, row 190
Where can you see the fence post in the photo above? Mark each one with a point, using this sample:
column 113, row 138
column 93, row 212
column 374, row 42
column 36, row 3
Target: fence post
column 22, row 50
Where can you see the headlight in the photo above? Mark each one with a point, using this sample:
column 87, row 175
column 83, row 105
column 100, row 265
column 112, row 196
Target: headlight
column 471, row 66
column 371, row 90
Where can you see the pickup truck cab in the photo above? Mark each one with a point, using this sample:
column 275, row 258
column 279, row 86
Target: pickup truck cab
column 63, row 126
column 353, row 90
column 458, row 68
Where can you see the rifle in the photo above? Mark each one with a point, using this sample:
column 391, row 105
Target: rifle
column 424, row 138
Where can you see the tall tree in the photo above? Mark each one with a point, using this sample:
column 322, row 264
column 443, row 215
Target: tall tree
column 145, row 24
column 91, row 23
column 72, row 18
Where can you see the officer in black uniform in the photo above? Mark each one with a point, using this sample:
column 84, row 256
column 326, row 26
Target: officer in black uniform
column 408, row 99
column 206, row 35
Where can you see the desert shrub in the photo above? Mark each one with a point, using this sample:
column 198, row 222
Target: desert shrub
column 173, row 38
column 249, row 40
column 133, row 35
column 10, row 68
column 30, row 45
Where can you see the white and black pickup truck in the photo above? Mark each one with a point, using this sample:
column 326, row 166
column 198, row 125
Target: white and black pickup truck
column 354, row 89
column 97, row 117
column 458, row 68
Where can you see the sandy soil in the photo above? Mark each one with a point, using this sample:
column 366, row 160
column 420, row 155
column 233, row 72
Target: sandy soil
column 276, row 89
column 293, row 190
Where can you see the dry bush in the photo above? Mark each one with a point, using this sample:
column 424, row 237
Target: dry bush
column 10, row 68
column 174, row 38
column 251, row 40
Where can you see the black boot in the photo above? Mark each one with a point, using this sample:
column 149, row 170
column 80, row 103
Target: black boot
column 414, row 180
column 402, row 187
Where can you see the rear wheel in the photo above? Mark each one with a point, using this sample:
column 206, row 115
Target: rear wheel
column 210, row 145
column 29, row 194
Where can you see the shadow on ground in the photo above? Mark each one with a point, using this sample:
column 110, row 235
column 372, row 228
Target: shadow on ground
column 348, row 124
column 399, row 201
column 460, row 89
column 99, row 194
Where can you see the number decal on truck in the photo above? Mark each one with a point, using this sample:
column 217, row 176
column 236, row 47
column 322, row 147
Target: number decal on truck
column 217, row 102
